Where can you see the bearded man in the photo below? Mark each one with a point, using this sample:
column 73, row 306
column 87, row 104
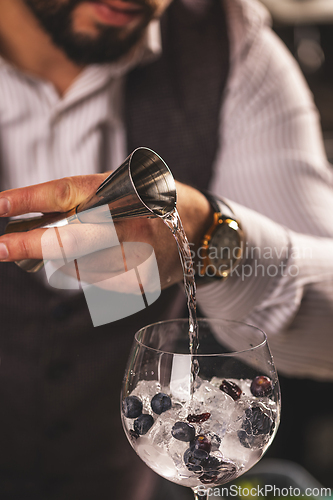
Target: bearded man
column 208, row 86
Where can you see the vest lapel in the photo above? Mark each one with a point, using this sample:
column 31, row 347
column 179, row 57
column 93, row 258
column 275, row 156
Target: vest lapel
column 173, row 104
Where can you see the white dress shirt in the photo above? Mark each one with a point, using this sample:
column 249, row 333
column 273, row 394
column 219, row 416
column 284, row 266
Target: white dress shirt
column 270, row 167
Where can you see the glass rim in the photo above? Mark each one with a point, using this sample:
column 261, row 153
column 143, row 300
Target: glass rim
column 200, row 320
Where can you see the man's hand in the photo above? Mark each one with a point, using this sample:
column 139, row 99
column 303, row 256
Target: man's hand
column 88, row 239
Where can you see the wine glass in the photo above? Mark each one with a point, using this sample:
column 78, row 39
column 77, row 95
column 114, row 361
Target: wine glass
column 200, row 419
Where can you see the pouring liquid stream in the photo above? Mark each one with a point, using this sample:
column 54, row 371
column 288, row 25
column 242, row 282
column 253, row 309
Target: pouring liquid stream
column 175, row 225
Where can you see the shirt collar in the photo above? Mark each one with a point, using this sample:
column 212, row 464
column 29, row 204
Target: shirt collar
column 96, row 75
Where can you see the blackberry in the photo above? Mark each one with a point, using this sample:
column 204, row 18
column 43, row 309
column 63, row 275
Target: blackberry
column 256, row 429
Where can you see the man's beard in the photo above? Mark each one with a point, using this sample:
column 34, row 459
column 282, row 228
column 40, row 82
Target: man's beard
column 106, row 46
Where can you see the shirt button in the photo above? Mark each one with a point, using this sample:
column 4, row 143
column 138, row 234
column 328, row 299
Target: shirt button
column 58, row 430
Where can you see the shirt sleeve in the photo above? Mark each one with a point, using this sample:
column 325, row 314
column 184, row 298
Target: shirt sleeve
column 271, row 169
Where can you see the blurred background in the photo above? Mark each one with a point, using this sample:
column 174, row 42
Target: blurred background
column 306, row 27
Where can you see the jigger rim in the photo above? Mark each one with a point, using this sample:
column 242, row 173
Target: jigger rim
column 170, row 177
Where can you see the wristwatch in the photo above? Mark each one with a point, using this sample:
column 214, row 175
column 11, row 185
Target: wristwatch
column 221, row 247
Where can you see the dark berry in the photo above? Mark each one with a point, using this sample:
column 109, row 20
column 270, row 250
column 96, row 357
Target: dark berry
column 201, row 443
column 256, row 428
column 143, row 423
column 194, row 464
column 132, row 407
column 183, row 431
column 200, row 454
column 209, row 469
column 245, row 439
column 160, row 403
column 216, row 469
column 209, row 477
column 196, row 419
column 231, row 389
column 213, row 464
column 261, row 386
column 197, row 460
column 257, row 421
column 134, row 435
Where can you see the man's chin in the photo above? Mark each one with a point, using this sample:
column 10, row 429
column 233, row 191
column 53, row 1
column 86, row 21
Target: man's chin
column 91, row 39
column 108, row 46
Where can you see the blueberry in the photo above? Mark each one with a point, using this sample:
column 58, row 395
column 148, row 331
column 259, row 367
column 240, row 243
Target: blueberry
column 194, row 464
column 160, row 403
column 183, row 431
column 232, row 389
column 199, row 460
column 256, row 429
column 261, row 386
column 143, row 423
column 201, row 446
column 201, row 454
column 132, row 407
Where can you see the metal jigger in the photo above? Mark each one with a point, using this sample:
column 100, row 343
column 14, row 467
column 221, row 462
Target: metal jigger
column 142, row 186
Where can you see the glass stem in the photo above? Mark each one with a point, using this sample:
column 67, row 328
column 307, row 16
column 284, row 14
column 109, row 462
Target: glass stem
column 200, row 493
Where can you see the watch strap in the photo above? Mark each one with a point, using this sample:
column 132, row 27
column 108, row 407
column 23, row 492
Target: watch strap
column 218, row 205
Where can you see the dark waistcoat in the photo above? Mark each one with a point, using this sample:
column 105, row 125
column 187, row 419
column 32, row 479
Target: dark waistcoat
column 60, row 378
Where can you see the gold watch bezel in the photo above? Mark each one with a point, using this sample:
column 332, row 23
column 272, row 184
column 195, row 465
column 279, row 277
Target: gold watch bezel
column 219, row 219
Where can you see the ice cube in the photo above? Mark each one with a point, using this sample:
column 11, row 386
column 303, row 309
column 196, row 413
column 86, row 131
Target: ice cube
column 176, row 450
column 232, row 450
column 156, row 459
column 146, row 390
column 207, row 392
column 160, row 433
column 165, row 454
column 181, row 377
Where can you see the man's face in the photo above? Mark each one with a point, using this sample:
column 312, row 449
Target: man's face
column 95, row 31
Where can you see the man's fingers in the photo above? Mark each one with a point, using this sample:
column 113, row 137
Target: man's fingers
column 22, row 245
column 54, row 196
column 68, row 242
